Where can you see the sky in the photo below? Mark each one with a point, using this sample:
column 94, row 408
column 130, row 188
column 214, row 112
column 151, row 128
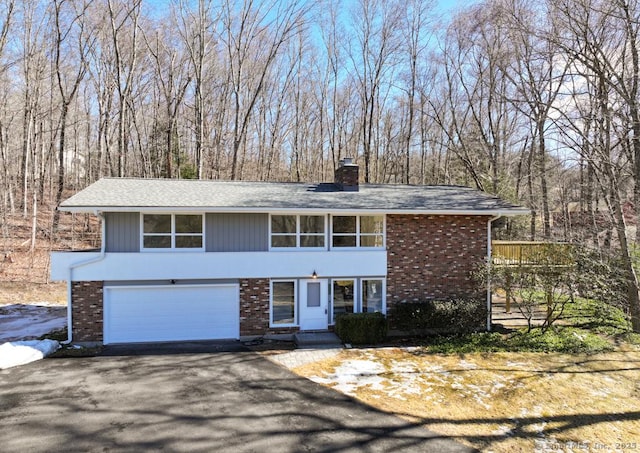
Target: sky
column 452, row 5
column 445, row 6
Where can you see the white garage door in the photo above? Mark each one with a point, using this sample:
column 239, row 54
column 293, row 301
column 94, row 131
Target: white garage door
column 170, row 313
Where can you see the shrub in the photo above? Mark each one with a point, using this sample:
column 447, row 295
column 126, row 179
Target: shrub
column 361, row 328
column 555, row 339
column 457, row 315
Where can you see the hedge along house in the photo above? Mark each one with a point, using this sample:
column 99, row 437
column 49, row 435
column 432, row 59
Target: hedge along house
column 195, row 260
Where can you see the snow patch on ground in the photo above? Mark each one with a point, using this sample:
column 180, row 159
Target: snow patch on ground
column 22, row 324
column 23, row 352
column 30, row 321
column 353, row 374
column 404, row 379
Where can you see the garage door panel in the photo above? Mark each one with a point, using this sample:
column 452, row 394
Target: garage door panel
column 171, row 313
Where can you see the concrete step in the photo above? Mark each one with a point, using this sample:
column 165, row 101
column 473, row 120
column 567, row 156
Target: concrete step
column 316, row 340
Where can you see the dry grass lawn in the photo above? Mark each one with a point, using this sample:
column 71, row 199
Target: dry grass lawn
column 500, row 402
column 21, row 293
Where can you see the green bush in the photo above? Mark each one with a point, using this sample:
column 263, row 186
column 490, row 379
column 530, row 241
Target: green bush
column 361, row 328
column 557, row 339
column 458, row 315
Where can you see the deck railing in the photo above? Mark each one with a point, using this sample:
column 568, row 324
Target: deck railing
column 527, row 253
column 546, row 257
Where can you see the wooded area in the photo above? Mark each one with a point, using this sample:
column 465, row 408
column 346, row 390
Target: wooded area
column 535, row 101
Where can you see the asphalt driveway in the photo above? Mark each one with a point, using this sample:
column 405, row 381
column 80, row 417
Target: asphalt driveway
column 214, row 397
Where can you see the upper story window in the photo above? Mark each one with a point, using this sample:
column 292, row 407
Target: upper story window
column 172, row 232
column 357, row 231
column 298, row 231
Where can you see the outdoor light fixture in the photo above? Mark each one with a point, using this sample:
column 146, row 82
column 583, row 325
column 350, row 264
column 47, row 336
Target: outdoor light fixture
column 314, row 275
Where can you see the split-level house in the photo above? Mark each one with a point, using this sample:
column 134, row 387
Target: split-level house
column 198, row 260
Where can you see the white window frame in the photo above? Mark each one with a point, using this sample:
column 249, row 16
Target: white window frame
column 357, row 297
column 296, row 299
column 358, row 233
column 383, row 303
column 173, row 233
column 299, row 233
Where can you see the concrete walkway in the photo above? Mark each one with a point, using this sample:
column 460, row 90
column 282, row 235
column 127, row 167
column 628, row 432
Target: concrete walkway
column 299, row 357
column 311, row 347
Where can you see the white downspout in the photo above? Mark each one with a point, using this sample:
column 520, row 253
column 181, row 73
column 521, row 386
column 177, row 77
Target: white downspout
column 80, row 264
column 488, row 264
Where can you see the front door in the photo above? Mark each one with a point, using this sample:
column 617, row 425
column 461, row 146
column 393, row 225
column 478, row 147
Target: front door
column 314, row 301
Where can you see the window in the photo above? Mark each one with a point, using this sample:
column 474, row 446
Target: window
column 283, row 303
column 283, row 231
column 357, row 231
column 172, row 231
column 314, row 298
column 345, row 232
column 371, row 231
column 312, row 231
column 343, row 297
column 298, row 231
column 372, row 296
column 361, row 295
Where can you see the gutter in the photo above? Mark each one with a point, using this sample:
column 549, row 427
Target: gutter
column 81, row 264
column 301, row 210
column 491, row 219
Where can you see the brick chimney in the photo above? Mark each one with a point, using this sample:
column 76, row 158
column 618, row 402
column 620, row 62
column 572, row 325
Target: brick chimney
column 346, row 175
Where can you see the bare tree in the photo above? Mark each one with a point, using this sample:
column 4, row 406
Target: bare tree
column 480, row 122
column 254, row 35
column 195, row 28
column 373, row 54
column 602, row 38
column 124, row 18
column 414, row 30
column 537, row 72
column 172, row 78
column 7, row 10
column 69, row 25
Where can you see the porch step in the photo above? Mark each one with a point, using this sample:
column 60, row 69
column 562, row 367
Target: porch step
column 317, row 340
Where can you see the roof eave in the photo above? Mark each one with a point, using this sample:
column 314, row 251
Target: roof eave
column 502, row 212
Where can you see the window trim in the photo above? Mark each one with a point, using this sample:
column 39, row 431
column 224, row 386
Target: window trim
column 383, row 294
column 358, row 233
column 358, row 283
column 173, row 233
column 296, row 299
column 356, row 297
column 298, row 233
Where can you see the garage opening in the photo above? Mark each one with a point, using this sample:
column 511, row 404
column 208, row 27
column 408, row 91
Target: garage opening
column 137, row 314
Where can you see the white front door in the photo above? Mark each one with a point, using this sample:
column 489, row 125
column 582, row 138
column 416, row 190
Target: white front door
column 314, row 301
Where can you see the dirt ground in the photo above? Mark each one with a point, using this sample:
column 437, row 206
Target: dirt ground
column 500, row 402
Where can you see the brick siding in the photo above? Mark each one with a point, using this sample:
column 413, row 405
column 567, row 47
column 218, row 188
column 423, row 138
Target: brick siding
column 86, row 311
column 433, row 257
column 254, row 308
column 346, row 177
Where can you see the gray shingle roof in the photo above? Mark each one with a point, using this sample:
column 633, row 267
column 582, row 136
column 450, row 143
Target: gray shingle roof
column 125, row 194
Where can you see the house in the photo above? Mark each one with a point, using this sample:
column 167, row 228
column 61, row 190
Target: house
column 192, row 260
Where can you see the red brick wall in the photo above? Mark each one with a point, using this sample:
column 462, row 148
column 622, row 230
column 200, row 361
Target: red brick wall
column 433, row 257
column 86, row 311
column 254, row 308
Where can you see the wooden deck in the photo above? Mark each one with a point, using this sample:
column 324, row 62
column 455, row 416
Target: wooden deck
column 527, row 253
column 527, row 257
